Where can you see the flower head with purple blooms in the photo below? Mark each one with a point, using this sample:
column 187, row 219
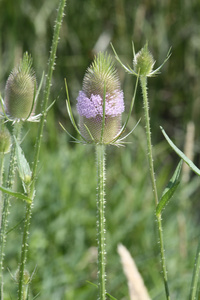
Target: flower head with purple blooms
column 100, row 81
column 93, row 106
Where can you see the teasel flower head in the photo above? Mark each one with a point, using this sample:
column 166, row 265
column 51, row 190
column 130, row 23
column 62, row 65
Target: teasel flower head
column 100, row 103
column 5, row 139
column 143, row 62
column 21, row 93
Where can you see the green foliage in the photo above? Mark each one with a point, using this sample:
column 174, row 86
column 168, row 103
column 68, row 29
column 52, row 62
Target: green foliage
column 63, row 230
column 22, row 164
column 181, row 154
column 63, row 226
column 15, row 194
column 169, row 190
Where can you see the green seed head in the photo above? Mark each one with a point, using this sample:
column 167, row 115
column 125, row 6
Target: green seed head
column 5, row 139
column 20, row 89
column 143, row 62
column 101, row 72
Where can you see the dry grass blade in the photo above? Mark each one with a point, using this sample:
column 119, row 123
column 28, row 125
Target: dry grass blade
column 137, row 289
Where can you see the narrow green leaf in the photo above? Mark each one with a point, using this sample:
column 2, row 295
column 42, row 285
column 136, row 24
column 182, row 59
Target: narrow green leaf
column 69, row 133
column 90, row 134
column 16, row 194
column 169, row 190
column 128, row 69
column 165, row 199
column 23, row 166
column 181, row 154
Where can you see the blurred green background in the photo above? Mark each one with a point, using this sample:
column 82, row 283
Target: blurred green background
column 63, row 228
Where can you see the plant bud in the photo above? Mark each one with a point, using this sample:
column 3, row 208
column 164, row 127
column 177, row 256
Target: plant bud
column 5, row 139
column 20, row 90
column 143, row 62
column 100, row 76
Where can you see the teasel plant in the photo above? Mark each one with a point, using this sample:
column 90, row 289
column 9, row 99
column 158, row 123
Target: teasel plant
column 100, row 105
column 18, row 107
column 143, row 67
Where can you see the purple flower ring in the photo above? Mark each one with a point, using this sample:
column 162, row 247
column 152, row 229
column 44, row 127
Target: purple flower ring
column 93, row 106
column 91, row 114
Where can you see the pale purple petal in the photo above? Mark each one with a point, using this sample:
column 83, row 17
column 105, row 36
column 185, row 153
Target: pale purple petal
column 93, row 106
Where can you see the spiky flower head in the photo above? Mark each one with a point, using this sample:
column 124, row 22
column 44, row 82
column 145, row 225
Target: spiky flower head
column 20, row 90
column 101, row 72
column 100, row 103
column 5, row 139
column 143, row 62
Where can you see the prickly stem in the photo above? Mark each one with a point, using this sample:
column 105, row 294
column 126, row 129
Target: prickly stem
column 6, row 203
column 52, row 59
column 100, row 162
column 24, row 250
column 143, row 81
column 31, row 193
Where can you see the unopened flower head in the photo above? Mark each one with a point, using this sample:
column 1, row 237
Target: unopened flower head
column 101, row 83
column 5, row 139
column 20, row 90
column 143, row 62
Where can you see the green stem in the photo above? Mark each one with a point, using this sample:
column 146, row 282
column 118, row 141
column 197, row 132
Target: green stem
column 100, row 161
column 1, row 182
column 6, row 203
column 143, row 81
column 195, row 277
column 24, row 251
column 51, row 66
